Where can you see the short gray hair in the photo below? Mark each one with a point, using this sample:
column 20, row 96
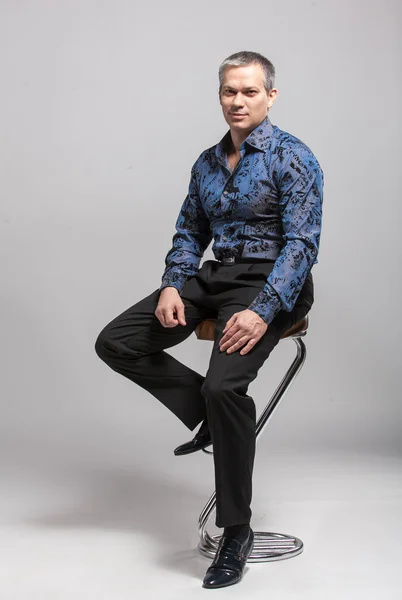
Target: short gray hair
column 245, row 57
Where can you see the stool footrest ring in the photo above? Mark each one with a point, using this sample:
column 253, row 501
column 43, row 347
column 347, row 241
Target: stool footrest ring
column 268, row 546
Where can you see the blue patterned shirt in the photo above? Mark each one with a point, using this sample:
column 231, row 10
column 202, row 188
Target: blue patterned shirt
column 270, row 208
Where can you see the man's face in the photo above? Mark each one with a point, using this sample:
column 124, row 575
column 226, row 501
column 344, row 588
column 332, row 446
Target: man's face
column 243, row 93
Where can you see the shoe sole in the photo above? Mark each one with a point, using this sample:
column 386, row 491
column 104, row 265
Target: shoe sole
column 191, row 451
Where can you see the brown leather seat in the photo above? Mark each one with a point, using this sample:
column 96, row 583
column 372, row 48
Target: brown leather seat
column 206, row 329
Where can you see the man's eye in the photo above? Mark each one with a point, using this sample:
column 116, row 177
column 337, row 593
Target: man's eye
column 249, row 92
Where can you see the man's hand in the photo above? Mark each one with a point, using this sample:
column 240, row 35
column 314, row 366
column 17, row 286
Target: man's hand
column 170, row 309
column 244, row 327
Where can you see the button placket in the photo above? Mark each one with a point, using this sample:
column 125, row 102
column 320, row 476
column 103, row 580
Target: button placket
column 231, row 176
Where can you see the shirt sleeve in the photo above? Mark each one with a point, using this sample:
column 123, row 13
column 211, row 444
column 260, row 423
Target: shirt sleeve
column 190, row 241
column 300, row 182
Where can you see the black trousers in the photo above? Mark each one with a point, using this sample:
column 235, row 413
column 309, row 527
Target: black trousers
column 134, row 345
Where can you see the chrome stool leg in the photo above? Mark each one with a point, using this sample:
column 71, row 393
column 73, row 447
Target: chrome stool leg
column 268, row 546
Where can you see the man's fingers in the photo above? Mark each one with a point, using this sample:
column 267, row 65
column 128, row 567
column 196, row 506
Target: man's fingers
column 241, row 329
column 233, row 332
column 180, row 314
column 238, row 344
column 230, row 322
column 158, row 314
column 164, row 316
column 248, row 347
column 232, row 339
column 170, row 319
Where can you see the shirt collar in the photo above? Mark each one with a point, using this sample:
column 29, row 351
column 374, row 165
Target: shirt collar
column 258, row 138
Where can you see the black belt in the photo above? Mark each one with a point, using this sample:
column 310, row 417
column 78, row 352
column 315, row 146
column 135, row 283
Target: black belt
column 233, row 260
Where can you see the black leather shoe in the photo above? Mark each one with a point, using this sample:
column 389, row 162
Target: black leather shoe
column 229, row 562
column 202, row 439
column 198, row 442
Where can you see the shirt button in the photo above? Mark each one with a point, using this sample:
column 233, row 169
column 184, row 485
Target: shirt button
column 225, row 193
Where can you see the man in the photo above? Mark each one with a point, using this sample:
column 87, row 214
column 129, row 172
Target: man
column 258, row 195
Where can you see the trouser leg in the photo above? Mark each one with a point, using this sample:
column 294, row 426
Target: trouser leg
column 133, row 345
column 231, row 415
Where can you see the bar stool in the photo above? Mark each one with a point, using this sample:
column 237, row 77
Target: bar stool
column 268, row 546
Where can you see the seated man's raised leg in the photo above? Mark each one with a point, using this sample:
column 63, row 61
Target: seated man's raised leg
column 133, row 345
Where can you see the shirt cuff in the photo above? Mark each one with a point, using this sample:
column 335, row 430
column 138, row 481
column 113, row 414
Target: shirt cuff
column 174, row 279
column 267, row 305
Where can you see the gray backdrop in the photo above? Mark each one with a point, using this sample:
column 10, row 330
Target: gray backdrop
column 104, row 108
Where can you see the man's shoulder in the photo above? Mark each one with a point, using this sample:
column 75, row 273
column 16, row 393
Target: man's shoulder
column 294, row 155
column 287, row 143
column 208, row 154
column 207, row 158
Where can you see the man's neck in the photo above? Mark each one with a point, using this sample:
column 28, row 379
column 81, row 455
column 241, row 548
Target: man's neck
column 237, row 138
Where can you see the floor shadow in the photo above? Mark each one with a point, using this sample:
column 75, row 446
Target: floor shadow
column 144, row 503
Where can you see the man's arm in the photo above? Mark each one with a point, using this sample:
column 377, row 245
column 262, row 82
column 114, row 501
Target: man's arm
column 301, row 182
column 190, row 241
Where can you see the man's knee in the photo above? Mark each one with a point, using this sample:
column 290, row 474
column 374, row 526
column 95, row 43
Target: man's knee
column 103, row 343
column 112, row 345
column 217, row 389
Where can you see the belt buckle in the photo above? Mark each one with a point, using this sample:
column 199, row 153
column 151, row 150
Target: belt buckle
column 228, row 260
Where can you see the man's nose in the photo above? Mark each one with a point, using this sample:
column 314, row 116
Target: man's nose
column 238, row 100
